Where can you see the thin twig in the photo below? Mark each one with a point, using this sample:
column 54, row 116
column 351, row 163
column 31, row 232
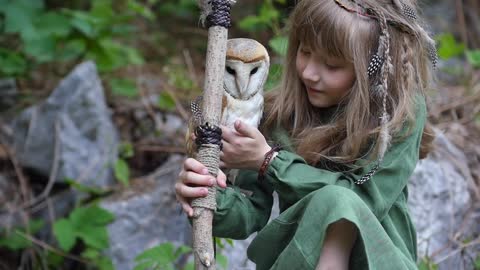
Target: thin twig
column 22, row 179
column 183, row 113
column 146, row 104
column 53, row 171
column 52, row 249
column 190, row 67
column 461, row 21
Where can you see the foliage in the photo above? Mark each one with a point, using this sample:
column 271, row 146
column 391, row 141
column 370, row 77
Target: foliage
column 87, row 224
column 120, row 168
column 43, row 35
column 449, row 47
column 15, row 240
column 166, row 256
column 162, row 257
column 427, row 264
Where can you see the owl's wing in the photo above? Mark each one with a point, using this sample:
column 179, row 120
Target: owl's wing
column 196, row 107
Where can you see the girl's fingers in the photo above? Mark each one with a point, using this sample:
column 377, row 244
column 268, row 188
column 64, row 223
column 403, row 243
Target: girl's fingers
column 189, row 177
column 185, row 191
column 185, row 205
column 187, row 209
column 191, row 164
column 227, row 133
column 221, row 179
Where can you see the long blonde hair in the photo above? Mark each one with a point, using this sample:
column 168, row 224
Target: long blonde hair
column 352, row 128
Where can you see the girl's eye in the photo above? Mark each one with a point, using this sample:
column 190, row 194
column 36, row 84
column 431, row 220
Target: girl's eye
column 331, row 66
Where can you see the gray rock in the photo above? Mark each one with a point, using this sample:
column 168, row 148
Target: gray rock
column 439, row 199
column 8, row 93
column 71, row 131
column 147, row 215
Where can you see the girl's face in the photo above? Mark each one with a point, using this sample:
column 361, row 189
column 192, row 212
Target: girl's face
column 326, row 79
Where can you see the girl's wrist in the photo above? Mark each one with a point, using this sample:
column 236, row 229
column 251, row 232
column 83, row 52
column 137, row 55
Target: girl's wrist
column 268, row 157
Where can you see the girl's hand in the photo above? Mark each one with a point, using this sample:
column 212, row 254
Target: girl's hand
column 193, row 181
column 243, row 147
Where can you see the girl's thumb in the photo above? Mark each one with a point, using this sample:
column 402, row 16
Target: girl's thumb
column 244, row 129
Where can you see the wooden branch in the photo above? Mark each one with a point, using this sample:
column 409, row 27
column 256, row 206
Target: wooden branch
column 212, row 100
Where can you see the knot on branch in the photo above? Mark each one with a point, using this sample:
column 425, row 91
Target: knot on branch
column 217, row 13
column 208, row 134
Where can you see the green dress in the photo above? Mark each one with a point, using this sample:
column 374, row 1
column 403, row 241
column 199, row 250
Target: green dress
column 311, row 198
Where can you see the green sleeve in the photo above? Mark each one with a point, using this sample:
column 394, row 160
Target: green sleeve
column 292, row 178
column 244, row 208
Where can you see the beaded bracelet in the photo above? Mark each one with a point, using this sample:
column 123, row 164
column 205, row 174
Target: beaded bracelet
column 266, row 161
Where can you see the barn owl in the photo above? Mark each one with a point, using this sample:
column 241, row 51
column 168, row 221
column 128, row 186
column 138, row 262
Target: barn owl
column 246, row 71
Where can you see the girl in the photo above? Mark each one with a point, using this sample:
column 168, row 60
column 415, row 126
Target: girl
column 350, row 117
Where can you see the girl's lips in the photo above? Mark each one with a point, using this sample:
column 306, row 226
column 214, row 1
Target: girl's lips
column 313, row 90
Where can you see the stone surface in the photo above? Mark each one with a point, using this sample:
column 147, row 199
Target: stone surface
column 71, row 131
column 8, row 93
column 439, row 199
column 147, row 215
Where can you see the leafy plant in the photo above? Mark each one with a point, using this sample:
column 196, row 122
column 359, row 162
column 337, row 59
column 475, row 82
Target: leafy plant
column 448, row 47
column 14, row 240
column 473, row 57
column 120, row 168
column 161, row 257
column 39, row 35
column 427, row 264
column 85, row 223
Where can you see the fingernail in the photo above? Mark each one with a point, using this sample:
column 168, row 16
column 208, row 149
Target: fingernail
column 205, row 191
column 205, row 171
column 212, row 181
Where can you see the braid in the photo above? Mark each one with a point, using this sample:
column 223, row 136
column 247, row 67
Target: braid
column 408, row 73
column 382, row 87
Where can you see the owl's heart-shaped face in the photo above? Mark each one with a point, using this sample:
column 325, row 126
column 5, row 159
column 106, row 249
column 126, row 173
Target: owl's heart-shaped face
column 246, row 68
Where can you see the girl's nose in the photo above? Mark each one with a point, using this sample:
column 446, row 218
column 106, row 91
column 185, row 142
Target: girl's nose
column 311, row 72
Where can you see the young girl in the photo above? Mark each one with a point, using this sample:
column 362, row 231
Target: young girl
column 350, row 117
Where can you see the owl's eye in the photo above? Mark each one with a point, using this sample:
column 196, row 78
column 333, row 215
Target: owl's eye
column 254, row 71
column 230, row 70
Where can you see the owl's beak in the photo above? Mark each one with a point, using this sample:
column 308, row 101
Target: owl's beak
column 242, row 81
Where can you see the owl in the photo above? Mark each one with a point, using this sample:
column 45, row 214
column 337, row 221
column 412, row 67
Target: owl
column 246, row 71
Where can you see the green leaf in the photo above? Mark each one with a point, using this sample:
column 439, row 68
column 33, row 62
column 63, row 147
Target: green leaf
column 181, row 250
column 448, row 47
column 96, row 237
column 91, row 254
column 162, row 254
column 12, row 63
column 477, row 262
column 126, row 150
column 279, row 45
column 122, row 172
column 72, row 49
column 83, row 23
column 222, row 261
column 52, row 23
column 84, row 188
column 64, row 231
column 42, row 49
column 166, row 102
column 15, row 240
column 189, row 266
column 141, row 9
column 473, row 57
column 251, row 24
column 91, row 216
column 124, row 87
